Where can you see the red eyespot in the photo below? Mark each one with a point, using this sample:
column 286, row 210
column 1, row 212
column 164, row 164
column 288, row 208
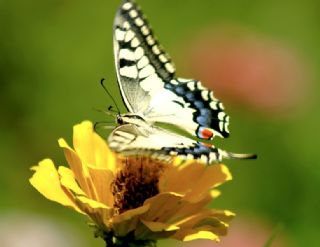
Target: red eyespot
column 206, row 133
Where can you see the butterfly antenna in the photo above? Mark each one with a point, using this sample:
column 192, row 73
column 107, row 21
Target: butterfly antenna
column 110, row 108
column 113, row 100
column 104, row 124
column 109, row 113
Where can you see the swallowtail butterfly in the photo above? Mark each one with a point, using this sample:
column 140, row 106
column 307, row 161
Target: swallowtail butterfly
column 152, row 94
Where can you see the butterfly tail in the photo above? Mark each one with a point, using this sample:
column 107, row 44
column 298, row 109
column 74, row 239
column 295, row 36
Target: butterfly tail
column 230, row 155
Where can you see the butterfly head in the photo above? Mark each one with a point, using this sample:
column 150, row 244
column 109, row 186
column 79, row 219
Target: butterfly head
column 119, row 119
column 130, row 118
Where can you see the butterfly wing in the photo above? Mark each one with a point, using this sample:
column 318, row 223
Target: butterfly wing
column 142, row 65
column 192, row 107
column 148, row 85
column 130, row 139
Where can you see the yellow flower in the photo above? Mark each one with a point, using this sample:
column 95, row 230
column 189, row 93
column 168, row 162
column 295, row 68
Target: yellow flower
column 134, row 199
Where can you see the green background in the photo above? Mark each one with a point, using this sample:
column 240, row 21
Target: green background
column 53, row 54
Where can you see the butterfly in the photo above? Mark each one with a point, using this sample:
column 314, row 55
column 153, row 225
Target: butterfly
column 153, row 94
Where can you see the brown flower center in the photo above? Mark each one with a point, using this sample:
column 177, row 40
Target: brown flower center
column 136, row 181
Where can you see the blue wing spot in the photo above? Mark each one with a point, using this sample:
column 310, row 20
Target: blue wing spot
column 199, row 104
column 201, row 149
column 190, row 96
column 203, row 120
column 205, row 112
column 168, row 86
column 180, row 90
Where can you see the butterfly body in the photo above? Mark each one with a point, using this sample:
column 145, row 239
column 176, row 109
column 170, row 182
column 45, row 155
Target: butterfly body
column 152, row 94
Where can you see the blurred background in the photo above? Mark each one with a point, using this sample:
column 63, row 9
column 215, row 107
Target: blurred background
column 261, row 58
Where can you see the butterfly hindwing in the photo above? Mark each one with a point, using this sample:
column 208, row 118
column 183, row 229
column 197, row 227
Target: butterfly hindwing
column 129, row 139
column 194, row 107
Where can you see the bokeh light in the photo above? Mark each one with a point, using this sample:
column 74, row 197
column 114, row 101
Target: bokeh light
column 249, row 70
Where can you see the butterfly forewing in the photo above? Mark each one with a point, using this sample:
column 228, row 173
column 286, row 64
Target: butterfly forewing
column 142, row 65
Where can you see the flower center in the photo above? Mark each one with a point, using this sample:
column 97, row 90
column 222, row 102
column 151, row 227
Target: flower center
column 136, row 181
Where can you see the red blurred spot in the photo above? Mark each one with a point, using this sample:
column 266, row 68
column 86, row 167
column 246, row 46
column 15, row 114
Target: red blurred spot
column 248, row 70
column 206, row 133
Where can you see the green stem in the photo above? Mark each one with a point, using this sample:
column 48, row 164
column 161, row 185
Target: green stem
column 126, row 241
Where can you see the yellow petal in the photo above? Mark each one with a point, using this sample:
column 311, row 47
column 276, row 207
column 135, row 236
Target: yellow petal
column 46, row 181
column 159, row 226
column 204, row 220
column 189, row 209
column 91, row 148
column 68, row 181
column 91, row 203
column 97, row 211
column 154, row 230
column 127, row 221
column 102, row 179
column 129, row 214
column 203, row 178
column 223, row 215
column 213, row 176
column 163, row 207
column 208, row 221
column 177, row 178
column 215, row 193
column 76, row 165
column 201, row 235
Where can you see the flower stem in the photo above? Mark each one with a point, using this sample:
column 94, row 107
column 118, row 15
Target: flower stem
column 126, row 241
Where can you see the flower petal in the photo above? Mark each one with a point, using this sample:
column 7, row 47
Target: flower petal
column 212, row 177
column 97, row 211
column 177, row 179
column 68, row 181
column 76, row 165
column 127, row 221
column 188, row 209
column 46, row 181
column 223, row 215
column 201, row 235
column 91, row 203
column 91, row 148
column 102, row 179
column 159, row 226
column 91, row 207
column 215, row 193
column 205, row 220
column 163, row 206
column 154, row 230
